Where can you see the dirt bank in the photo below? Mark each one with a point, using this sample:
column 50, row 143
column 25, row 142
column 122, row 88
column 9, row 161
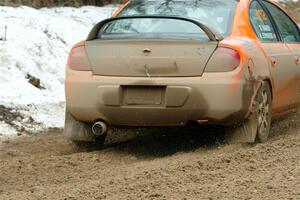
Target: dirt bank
column 160, row 164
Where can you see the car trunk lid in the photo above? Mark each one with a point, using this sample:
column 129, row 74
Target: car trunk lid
column 155, row 58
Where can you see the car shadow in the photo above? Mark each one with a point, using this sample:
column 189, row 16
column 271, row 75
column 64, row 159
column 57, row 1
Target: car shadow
column 149, row 143
column 160, row 142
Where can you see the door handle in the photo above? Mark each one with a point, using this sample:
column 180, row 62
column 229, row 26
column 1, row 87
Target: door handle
column 297, row 60
column 274, row 62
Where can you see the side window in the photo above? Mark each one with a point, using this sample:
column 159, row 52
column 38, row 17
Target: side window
column 261, row 23
column 287, row 28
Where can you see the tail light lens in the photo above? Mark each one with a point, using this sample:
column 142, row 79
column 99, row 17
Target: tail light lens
column 223, row 60
column 78, row 59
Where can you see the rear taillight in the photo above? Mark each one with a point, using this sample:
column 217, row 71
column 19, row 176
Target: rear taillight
column 78, row 59
column 223, row 60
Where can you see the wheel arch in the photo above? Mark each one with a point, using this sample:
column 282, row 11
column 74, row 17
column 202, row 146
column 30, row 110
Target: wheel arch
column 270, row 85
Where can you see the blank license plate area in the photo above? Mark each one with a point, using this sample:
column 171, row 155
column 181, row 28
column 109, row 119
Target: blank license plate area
column 144, row 95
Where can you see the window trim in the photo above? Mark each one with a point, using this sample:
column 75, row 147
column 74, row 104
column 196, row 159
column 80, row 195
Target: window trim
column 282, row 10
column 278, row 36
column 231, row 20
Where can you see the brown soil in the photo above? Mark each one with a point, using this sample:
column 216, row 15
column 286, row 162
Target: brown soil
column 159, row 164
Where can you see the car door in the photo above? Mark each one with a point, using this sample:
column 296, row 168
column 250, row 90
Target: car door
column 278, row 55
column 290, row 34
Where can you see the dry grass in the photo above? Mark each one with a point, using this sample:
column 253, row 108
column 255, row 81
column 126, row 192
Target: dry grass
column 292, row 7
column 53, row 3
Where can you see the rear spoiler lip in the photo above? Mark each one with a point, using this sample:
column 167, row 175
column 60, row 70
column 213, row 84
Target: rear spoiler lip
column 212, row 34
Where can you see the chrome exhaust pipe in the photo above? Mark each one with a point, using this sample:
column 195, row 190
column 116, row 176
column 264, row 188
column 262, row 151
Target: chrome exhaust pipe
column 99, row 128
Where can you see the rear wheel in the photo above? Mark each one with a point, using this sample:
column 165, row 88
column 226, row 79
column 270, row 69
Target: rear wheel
column 257, row 127
column 264, row 113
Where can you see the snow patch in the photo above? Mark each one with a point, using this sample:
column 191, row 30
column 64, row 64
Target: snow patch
column 6, row 129
column 37, row 44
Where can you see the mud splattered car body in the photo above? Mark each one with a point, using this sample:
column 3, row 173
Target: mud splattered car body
column 155, row 64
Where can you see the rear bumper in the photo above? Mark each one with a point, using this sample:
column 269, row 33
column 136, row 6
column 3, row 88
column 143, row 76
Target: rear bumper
column 219, row 98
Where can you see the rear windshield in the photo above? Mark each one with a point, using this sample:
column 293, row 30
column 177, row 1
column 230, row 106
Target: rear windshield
column 216, row 14
column 152, row 28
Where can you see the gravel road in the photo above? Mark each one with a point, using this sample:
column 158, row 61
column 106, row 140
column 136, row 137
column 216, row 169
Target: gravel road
column 175, row 164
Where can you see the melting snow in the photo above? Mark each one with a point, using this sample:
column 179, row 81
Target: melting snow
column 38, row 42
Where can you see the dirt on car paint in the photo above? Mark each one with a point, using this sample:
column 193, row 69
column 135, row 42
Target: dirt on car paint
column 177, row 163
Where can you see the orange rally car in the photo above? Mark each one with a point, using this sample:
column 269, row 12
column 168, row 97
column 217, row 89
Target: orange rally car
column 169, row 62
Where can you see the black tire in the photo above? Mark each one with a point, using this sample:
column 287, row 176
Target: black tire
column 263, row 113
column 257, row 127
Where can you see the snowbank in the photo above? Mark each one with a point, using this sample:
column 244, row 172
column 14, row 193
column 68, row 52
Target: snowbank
column 37, row 45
